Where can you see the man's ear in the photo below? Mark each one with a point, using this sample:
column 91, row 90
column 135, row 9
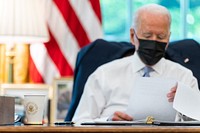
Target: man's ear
column 132, row 35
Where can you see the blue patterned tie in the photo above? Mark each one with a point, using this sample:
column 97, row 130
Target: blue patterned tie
column 147, row 70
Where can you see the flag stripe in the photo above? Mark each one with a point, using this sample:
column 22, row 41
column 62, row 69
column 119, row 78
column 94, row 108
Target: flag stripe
column 62, row 34
column 35, row 77
column 73, row 22
column 58, row 58
column 96, row 8
column 43, row 64
column 92, row 28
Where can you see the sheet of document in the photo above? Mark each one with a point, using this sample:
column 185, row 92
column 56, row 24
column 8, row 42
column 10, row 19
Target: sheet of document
column 149, row 98
column 187, row 101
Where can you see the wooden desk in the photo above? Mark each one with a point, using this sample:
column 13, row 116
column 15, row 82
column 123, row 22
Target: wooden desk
column 97, row 129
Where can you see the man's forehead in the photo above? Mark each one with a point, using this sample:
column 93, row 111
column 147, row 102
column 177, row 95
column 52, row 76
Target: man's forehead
column 159, row 26
column 152, row 17
column 158, row 32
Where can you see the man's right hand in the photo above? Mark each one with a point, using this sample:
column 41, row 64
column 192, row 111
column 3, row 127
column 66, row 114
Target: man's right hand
column 120, row 116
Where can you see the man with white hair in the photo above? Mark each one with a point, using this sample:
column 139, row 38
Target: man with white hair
column 108, row 89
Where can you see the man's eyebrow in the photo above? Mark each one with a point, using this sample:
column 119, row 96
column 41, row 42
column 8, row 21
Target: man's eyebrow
column 146, row 33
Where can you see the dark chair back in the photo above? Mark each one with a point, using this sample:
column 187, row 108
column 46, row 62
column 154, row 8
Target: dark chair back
column 187, row 53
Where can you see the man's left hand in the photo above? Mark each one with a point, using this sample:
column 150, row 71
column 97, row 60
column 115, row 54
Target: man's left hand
column 172, row 93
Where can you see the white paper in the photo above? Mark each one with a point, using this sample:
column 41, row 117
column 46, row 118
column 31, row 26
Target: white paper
column 187, row 101
column 149, row 98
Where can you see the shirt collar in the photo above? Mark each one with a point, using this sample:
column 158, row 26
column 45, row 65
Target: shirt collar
column 158, row 67
column 138, row 64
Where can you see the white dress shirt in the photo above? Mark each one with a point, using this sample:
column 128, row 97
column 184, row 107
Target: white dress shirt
column 108, row 89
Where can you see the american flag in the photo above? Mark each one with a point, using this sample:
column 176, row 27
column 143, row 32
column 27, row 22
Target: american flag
column 72, row 24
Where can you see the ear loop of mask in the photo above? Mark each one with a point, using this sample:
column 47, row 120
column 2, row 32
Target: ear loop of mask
column 136, row 36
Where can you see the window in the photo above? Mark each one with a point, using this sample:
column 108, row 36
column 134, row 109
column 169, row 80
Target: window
column 117, row 17
column 192, row 19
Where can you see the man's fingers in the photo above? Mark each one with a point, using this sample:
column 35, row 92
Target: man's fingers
column 170, row 99
column 116, row 118
column 119, row 116
column 172, row 93
column 124, row 116
column 173, row 89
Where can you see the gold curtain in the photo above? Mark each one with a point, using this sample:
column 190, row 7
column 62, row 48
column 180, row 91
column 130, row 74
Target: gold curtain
column 21, row 63
column 14, row 62
column 2, row 63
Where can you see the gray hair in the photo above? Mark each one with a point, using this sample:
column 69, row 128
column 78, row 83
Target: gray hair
column 153, row 8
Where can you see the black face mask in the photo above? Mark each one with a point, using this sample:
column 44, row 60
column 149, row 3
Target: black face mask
column 150, row 51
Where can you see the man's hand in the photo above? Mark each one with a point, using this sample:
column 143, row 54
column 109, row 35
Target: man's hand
column 120, row 116
column 172, row 93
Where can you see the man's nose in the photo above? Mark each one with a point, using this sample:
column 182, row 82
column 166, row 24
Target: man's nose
column 155, row 38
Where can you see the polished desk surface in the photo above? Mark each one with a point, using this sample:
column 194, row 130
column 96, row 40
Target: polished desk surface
column 97, row 129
